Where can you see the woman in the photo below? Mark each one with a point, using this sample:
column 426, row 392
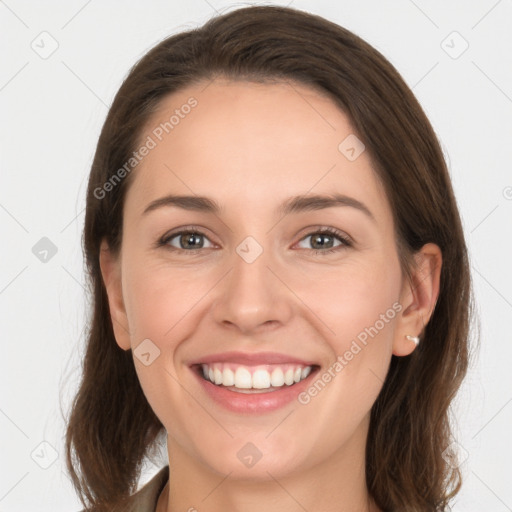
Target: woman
column 280, row 280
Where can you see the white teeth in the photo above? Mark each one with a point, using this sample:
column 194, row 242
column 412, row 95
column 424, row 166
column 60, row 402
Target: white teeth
column 228, row 377
column 288, row 377
column 243, row 377
column 277, row 378
column 305, row 372
column 261, row 379
column 218, row 376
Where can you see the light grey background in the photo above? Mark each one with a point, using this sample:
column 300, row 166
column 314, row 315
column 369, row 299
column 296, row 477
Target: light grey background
column 52, row 109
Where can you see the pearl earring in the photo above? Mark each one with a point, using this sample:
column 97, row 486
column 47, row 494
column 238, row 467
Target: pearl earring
column 415, row 339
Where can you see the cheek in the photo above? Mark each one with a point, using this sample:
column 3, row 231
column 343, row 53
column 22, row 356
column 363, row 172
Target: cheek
column 160, row 307
column 358, row 304
column 158, row 299
column 352, row 299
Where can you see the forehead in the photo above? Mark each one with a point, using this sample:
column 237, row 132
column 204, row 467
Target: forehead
column 251, row 144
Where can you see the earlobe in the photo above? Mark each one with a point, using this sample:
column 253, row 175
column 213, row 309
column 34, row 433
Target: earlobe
column 418, row 298
column 111, row 274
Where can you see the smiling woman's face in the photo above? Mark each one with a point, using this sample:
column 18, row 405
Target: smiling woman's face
column 257, row 278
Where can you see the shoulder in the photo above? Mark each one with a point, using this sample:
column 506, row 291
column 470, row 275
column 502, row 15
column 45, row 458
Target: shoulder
column 146, row 498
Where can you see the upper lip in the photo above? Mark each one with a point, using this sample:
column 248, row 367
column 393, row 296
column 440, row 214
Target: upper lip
column 254, row 358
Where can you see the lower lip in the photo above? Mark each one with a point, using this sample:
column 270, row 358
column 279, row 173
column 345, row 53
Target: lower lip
column 265, row 401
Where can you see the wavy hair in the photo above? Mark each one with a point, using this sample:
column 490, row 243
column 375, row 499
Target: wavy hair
column 111, row 426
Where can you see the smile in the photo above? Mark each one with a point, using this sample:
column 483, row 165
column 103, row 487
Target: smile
column 256, row 389
column 240, row 377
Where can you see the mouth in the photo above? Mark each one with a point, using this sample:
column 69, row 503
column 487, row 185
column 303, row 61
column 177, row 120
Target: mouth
column 257, row 389
column 254, row 379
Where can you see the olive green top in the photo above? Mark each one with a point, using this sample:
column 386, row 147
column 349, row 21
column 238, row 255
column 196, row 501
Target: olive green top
column 145, row 499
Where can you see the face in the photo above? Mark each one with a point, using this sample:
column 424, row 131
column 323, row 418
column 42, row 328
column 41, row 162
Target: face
column 256, row 289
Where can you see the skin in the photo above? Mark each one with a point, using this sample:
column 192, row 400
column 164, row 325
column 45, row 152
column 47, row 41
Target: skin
column 250, row 146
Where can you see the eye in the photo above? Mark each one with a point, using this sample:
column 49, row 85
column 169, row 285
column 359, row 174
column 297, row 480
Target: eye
column 186, row 241
column 191, row 240
column 319, row 237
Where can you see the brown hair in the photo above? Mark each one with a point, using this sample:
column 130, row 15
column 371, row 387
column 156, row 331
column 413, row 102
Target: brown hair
column 111, row 426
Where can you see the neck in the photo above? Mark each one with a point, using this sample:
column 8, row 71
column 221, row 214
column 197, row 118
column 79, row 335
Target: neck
column 334, row 485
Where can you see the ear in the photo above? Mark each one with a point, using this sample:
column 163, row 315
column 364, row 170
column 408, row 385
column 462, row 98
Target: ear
column 418, row 298
column 111, row 273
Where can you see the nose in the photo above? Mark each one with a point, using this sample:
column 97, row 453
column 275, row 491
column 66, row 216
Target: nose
column 253, row 296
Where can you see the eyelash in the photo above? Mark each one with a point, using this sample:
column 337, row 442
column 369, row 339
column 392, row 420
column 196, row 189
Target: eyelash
column 346, row 242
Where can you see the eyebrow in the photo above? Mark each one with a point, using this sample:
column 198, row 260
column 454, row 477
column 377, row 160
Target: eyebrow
column 294, row 204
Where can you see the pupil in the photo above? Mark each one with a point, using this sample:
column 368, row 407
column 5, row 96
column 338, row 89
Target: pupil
column 318, row 237
column 189, row 238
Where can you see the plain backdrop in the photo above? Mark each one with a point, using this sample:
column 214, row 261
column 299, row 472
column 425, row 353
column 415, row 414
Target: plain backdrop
column 62, row 63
